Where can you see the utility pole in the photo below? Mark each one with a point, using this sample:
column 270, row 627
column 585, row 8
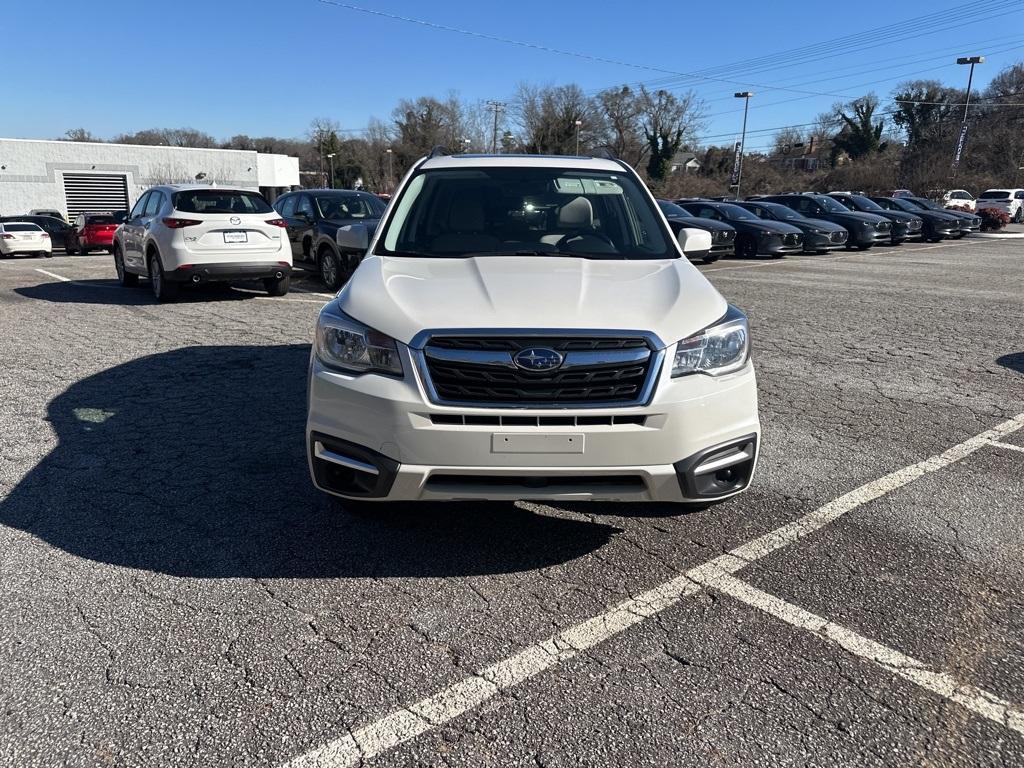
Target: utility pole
column 497, row 107
column 972, row 60
column 330, row 156
column 391, row 174
column 745, row 95
column 579, row 124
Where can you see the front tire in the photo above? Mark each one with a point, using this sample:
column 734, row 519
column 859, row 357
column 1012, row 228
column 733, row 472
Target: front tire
column 746, row 247
column 1018, row 217
column 83, row 251
column 277, row 286
column 863, row 246
column 163, row 290
column 330, row 269
column 124, row 277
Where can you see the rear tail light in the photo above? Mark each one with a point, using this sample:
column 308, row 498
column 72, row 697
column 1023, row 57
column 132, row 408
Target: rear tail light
column 172, row 223
column 5, row 236
column 277, row 222
column 47, row 236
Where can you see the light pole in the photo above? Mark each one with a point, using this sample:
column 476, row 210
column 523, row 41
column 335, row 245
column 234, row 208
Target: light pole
column 330, row 156
column 972, row 60
column 579, row 124
column 745, row 95
column 391, row 175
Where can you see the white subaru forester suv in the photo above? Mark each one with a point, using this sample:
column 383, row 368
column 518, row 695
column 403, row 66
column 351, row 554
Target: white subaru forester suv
column 527, row 327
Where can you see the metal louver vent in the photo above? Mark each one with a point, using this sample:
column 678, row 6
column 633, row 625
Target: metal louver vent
column 99, row 192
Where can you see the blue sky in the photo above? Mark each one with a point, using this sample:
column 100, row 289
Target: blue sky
column 268, row 68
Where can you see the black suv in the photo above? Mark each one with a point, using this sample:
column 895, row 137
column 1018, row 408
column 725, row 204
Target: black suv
column 723, row 236
column 866, row 229
column 819, row 235
column 753, row 235
column 937, row 224
column 313, row 219
column 905, row 226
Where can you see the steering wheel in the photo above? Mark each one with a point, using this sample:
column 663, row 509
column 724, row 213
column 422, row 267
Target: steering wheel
column 582, row 233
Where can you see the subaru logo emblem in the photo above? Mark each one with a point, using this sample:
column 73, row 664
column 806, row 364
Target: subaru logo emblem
column 538, row 359
column 235, row 220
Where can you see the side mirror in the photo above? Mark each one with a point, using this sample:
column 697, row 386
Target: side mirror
column 356, row 237
column 696, row 243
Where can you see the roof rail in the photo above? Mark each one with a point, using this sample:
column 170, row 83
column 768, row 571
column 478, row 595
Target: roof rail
column 604, row 153
column 439, row 151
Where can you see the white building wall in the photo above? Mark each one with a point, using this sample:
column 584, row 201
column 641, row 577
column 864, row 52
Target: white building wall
column 31, row 171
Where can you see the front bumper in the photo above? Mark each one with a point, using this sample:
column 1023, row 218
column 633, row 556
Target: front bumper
column 816, row 243
column 775, row 245
column 220, row 272
column 431, row 452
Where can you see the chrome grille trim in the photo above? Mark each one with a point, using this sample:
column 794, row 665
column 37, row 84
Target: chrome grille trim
column 652, row 349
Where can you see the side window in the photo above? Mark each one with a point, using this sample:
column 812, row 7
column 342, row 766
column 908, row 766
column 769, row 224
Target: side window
column 709, row 213
column 153, row 205
column 305, row 206
column 763, row 213
column 287, row 206
column 140, row 206
column 1019, row 196
column 80, row 221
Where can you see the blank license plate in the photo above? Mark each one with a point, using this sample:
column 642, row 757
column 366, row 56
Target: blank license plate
column 236, row 237
column 526, row 443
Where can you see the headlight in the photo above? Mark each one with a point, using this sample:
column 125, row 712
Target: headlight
column 722, row 348
column 347, row 345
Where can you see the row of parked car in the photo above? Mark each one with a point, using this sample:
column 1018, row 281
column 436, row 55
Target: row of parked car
column 1009, row 200
column 775, row 225
column 39, row 232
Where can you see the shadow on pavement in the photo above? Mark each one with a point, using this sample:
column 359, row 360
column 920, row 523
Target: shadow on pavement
column 192, row 463
column 1015, row 361
column 111, row 292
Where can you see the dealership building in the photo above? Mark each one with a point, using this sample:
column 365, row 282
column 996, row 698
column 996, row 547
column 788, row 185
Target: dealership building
column 73, row 177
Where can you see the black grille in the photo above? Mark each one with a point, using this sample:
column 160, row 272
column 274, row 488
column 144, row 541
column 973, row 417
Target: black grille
column 791, row 239
column 837, row 237
column 478, row 383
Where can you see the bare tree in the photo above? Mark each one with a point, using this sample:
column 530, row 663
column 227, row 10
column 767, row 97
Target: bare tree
column 668, row 122
column 79, row 134
column 622, row 109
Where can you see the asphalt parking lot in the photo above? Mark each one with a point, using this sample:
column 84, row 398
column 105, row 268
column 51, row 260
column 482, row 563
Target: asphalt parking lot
column 174, row 592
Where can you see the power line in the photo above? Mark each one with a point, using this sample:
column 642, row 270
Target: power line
column 574, row 54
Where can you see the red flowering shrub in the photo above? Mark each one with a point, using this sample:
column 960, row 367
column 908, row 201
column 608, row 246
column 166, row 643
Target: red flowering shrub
column 992, row 219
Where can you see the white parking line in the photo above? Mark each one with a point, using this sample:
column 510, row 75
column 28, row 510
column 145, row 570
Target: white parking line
column 409, row 722
column 977, row 700
column 55, row 276
column 1011, row 446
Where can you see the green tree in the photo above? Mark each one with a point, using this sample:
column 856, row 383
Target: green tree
column 860, row 135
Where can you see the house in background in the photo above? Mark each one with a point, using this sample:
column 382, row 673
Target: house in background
column 685, row 162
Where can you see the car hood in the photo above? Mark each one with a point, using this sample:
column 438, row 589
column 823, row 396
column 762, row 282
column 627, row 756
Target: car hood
column 404, row 296
column 871, row 218
column 778, row 227
column 899, row 216
column 824, row 225
column 960, row 215
column 701, row 223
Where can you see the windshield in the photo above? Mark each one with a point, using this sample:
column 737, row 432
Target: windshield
column 904, row 205
column 220, row 201
column 348, row 206
column 673, row 211
column 735, row 213
column 919, row 203
column 781, row 212
column 455, row 212
column 994, row 194
column 866, row 204
column 830, row 205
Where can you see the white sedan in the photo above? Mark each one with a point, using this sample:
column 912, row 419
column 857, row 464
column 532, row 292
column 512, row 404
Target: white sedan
column 24, row 237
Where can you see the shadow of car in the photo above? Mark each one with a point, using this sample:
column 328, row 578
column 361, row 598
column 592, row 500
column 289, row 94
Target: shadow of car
column 192, row 463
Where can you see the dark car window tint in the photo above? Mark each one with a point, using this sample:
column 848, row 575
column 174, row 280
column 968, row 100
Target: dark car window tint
column 139, row 206
column 156, row 199
column 286, row 207
column 305, row 206
column 100, row 219
column 673, row 210
column 220, row 201
column 345, row 207
column 21, row 227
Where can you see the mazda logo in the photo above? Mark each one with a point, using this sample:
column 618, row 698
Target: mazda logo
column 235, row 220
column 538, row 359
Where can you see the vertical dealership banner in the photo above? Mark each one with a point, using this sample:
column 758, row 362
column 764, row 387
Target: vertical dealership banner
column 735, row 178
column 960, row 145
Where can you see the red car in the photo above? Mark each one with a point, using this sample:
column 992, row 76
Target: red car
column 91, row 231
